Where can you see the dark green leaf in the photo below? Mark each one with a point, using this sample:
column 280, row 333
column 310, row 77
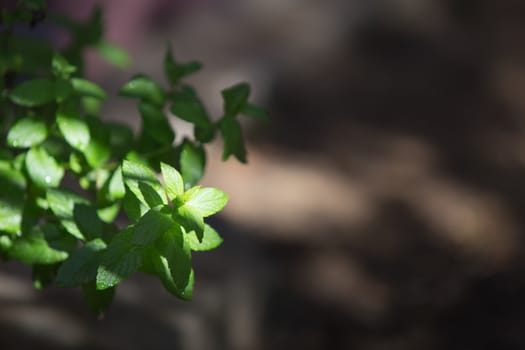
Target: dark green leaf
column 98, row 150
column 151, row 225
column 133, row 206
column 155, row 124
column 190, row 219
column 88, row 222
column 27, row 132
column 189, row 108
column 119, row 261
column 81, row 267
column 62, row 203
column 32, row 248
column 33, row 93
column 145, row 88
column 192, row 163
column 235, row 98
column 42, row 168
column 151, row 196
column 85, row 87
column 233, row 142
column 133, row 172
column 63, row 90
column 175, row 71
column 254, row 111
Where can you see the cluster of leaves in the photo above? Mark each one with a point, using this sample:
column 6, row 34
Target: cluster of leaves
column 66, row 174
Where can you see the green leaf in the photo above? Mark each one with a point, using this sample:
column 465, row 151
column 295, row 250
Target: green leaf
column 32, row 248
column 145, row 88
column 205, row 200
column 133, row 172
column 62, row 203
column 12, row 198
column 113, row 54
column 190, row 219
column 188, row 107
column 233, row 142
column 235, row 98
column 63, row 89
column 81, row 267
column 151, row 225
column 33, row 93
column 85, row 87
column 98, row 150
column 172, row 180
column 119, row 261
column 155, row 124
column 116, row 185
column 27, row 132
column 74, row 129
column 42, row 168
column 88, row 221
column 61, row 67
column 210, row 239
column 254, row 111
column 192, row 163
column 175, row 71
column 97, row 300
column 151, row 196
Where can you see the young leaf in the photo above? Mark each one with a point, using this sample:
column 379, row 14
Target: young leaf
column 151, row 225
column 192, row 163
column 205, row 200
column 210, row 239
column 119, row 261
column 113, row 54
column 145, row 88
column 62, row 203
column 233, row 142
column 85, row 87
column 81, row 267
column 61, row 67
column 33, row 93
column 27, row 132
column 175, row 71
column 133, row 172
column 74, row 129
column 32, row 248
column 155, row 123
column 172, row 180
column 235, row 98
column 42, row 168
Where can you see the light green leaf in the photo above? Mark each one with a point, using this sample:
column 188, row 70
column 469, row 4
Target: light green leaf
column 235, row 98
column 74, row 129
column 210, row 239
column 233, row 142
column 133, row 172
column 113, row 54
column 33, row 93
column 119, row 261
column 27, row 132
column 205, row 200
column 155, row 124
column 62, row 203
column 151, row 225
column 32, row 248
column 81, row 267
column 61, row 67
column 116, row 185
column 12, row 198
column 42, row 168
column 87, row 88
column 172, row 180
column 145, row 88
column 192, row 163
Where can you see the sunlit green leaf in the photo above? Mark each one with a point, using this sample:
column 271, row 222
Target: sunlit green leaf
column 27, row 132
column 87, row 88
column 210, row 239
column 145, row 88
column 42, row 168
column 192, row 163
column 74, row 129
column 205, row 200
column 172, row 180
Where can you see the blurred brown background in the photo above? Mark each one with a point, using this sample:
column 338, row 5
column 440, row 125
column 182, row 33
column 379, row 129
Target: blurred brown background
column 382, row 206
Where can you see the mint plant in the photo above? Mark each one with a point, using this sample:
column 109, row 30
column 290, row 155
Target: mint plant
column 84, row 201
